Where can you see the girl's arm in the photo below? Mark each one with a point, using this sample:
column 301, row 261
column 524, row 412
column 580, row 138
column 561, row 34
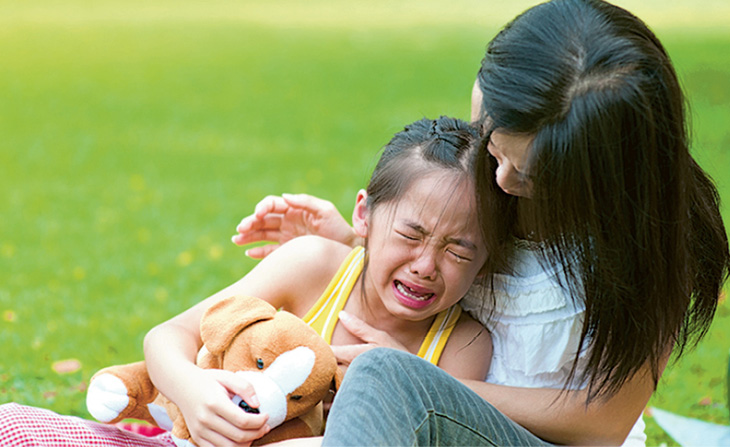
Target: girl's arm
column 203, row 396
column 468, row 353
column 291, row 278
column 564, row 418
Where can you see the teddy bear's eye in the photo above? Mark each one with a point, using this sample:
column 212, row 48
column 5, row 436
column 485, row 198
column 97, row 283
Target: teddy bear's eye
column 295, row 396
column 260, row 363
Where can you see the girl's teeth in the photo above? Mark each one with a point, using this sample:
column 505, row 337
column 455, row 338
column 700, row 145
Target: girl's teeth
column 411, row 294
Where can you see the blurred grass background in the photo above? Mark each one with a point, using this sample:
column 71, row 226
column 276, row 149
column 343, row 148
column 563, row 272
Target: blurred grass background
column 135, row 135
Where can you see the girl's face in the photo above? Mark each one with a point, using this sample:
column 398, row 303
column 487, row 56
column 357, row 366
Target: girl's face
column 424, row 250
column 510, row 151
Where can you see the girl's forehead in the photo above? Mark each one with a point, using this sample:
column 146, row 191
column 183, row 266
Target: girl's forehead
column 438, row 200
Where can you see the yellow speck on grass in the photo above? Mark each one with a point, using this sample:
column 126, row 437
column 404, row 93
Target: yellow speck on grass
column 79, row 273
column 215, row 252
column 9, row 316
column 184, row 259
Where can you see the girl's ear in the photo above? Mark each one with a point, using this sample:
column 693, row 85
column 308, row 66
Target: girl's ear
column 360, row 214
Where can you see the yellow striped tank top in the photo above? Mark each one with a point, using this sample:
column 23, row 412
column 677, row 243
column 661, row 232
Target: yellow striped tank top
column 323, row 316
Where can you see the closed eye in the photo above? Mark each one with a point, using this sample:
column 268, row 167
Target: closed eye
column 459, row 257
column 406, row 236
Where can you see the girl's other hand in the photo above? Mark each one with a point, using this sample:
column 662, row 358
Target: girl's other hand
column 280, row 219
column 212, row 417
column 371, row 337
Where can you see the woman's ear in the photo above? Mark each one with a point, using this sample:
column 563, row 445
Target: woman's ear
column 360, row 214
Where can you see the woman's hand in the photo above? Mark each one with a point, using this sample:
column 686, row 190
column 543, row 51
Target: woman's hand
column 371, row 337
column 211, row 416
column 279, row 219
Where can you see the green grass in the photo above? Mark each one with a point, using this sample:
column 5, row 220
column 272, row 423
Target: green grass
column 134, row 136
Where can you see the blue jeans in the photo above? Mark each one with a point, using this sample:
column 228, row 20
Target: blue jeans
column 390, row 397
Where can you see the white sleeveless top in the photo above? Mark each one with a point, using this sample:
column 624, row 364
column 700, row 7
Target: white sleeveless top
column 535, row 329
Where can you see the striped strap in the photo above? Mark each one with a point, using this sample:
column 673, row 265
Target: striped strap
column 323, row 316
column 435, row 341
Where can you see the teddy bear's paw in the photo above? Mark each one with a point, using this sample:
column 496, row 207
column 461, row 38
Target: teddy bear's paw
column 106, row 397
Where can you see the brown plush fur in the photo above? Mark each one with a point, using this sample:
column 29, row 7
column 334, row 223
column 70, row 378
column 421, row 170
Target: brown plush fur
column 236, row 332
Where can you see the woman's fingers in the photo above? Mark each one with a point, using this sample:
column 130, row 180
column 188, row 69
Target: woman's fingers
column 266, row 229
column 308, row 203
column 270, row 205
column 279, row 219
column 262, row 251
column 258, row 223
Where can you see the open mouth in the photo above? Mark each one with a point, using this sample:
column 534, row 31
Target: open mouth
column 411, row 297
column 410, row 293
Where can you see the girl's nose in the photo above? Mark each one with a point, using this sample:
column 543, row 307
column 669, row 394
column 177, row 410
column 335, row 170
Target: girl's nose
column 424, row 265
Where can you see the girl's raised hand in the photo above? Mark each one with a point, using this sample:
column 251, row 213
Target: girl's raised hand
column 212, row 417
column 279, row 219
column 371, row 337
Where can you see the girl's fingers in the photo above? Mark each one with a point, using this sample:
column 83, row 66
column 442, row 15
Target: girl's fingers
column 368, row 334
column 358, row 328
column 231, row 421
column 221, row 432
column 345, row 354
column 240, row 387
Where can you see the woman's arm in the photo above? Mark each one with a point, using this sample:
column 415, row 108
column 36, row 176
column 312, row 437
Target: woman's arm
column 564, row 418
column 280, row 219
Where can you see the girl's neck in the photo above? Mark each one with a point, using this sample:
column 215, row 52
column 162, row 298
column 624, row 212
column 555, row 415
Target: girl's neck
column 367, row 306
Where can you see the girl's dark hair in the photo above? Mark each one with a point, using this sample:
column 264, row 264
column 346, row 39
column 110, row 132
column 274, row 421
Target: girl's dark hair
column 617, row 198
column 445, row 143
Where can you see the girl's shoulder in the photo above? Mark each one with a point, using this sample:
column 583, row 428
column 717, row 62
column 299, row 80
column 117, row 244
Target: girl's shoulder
column 310, row 248
column 468, row 352
column 302, row 268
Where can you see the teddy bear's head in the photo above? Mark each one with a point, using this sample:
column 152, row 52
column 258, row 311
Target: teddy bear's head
column 290, row 366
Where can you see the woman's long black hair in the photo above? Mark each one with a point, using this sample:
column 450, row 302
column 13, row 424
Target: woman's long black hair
column 617, row 197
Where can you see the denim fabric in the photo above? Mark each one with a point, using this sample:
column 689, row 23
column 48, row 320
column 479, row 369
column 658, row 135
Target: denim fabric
column 393, row 398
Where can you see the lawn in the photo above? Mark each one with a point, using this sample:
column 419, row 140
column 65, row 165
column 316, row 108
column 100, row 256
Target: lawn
column 135, row 135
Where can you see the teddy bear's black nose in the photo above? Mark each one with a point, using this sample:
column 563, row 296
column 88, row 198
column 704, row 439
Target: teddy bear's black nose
column 247, row 408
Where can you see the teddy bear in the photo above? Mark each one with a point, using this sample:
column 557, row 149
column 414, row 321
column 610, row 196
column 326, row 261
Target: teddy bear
column 290, row 366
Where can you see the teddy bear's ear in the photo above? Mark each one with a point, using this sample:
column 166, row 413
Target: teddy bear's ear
column 225, row 319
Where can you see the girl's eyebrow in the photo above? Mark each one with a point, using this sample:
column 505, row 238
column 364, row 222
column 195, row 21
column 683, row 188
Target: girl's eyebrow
column 462, row 243
column 416, row 227
column 450, row 240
